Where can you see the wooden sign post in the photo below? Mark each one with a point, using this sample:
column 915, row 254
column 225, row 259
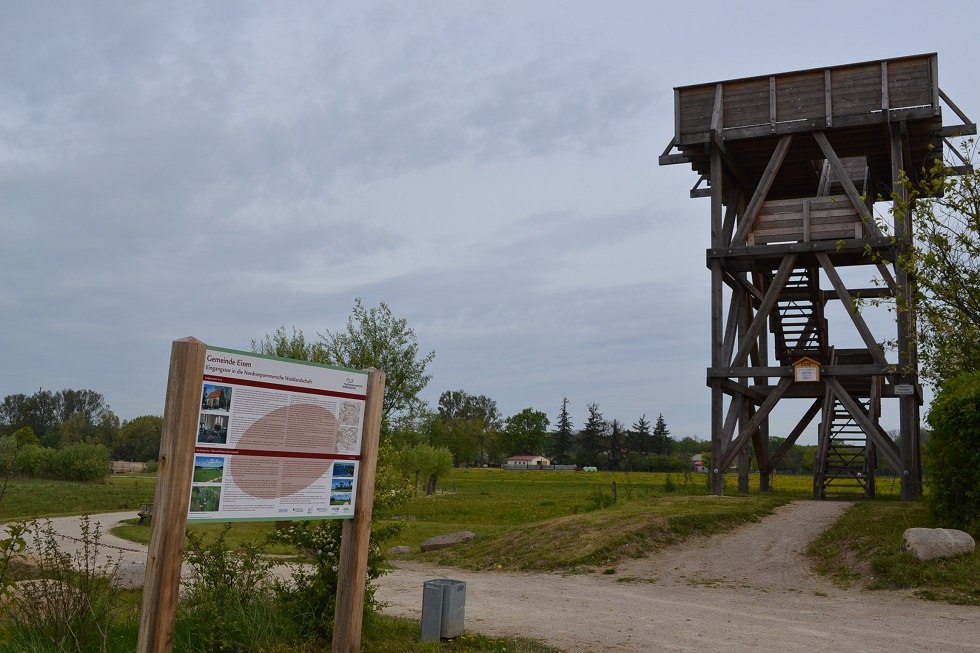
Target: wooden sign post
column 356, row 532
column 171, row 500
column 339, row 411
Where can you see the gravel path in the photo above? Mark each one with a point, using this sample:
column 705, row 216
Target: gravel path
column 744, row 592
column 749, row 591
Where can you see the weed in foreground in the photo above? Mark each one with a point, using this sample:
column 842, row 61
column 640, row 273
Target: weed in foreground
column 71, row 605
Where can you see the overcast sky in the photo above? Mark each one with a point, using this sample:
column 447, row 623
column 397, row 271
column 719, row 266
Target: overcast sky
column 489, row 170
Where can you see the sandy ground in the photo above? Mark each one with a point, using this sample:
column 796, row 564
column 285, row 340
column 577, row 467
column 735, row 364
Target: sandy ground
column 746, row 591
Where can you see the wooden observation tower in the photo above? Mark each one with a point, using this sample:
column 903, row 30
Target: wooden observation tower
column 793, row 164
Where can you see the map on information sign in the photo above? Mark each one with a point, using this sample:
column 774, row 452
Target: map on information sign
column 277, row 439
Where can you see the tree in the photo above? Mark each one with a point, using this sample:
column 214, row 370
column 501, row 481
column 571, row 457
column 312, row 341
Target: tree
column 25, row 435
column 461, row 436
column 425, row 462
column 525, row 433
column 944, row 207
column 953, row 454
column 591, row 441
column 90, row 405
column 286, row 345
column 38, row 411
column 61, row 417
column 139, row 439
column 374, row 337
column 617, row 443
column 689, row 446
column 564, row 437
column 661, row 436
column 473, row 417
column 639, row 437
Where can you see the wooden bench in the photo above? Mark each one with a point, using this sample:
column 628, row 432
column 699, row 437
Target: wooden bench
column 802, row 220
column 145, row 513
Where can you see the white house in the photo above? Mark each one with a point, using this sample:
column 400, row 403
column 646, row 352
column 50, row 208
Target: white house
column 697, row 463
column 526, row 461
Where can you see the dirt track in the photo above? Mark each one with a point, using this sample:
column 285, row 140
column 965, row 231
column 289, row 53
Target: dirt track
column 748, row 591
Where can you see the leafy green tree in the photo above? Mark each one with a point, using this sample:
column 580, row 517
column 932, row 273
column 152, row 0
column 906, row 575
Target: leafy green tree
column 25, row 435
column 563, row 438
column 374, row 337
column 792, row 462
column 90, row 405
column 38, row 411
column 423, row 462
column 473, row 419
column 953, row 454
column 293, row 345
column 525, row 433
column 944, row 207
column 139, row 439
column 592, row 439
column 689, row 446
column 465, row 438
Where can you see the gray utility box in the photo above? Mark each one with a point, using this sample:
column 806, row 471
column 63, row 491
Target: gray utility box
column 443, row 605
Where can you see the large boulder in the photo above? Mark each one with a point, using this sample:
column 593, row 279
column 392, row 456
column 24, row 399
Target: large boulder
column 447, row 540
column 933, row 543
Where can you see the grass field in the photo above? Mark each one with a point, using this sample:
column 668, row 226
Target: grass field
column 528, row 520
column 27, row 498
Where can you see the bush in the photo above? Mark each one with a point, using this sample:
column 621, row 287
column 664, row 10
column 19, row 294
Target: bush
column 83, row 462
column 228, row 603
column 35, row 460
column 72, row 606
column 953, row 454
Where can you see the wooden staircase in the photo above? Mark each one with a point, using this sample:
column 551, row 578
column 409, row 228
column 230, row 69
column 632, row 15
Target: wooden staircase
column 846, row 458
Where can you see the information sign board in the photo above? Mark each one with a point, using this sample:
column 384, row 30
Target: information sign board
column 277, row 439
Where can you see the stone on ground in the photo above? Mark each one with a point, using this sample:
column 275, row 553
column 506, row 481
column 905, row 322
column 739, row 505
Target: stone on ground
column 447, row 540
column 933, row 543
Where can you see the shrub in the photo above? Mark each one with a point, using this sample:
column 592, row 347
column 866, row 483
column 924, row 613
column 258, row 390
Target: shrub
column 35, row 460
column 83, row 462
column 228, row 603
column 72, row 606
column 953, row 454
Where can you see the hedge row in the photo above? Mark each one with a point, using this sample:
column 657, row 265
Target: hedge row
column 77, row 462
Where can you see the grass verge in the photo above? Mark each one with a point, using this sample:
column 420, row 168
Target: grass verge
column 864, row 548
column 600, row 538
column 27, row 498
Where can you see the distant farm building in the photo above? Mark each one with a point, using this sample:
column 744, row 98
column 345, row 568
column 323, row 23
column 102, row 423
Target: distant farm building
column 527, row 461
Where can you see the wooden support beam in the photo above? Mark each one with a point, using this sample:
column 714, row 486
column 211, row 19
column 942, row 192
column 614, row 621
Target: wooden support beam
column 356, row 533
column 746, row 430
column 795, row 434
column 731, row 324
column 738, row 372
column 959, row 112
column 762, row 190
column 737, row 389
column 871, row 430
column 172, row 498
column 731, row 420
column 845, row 181
column 848, row 303
column 762, row 315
